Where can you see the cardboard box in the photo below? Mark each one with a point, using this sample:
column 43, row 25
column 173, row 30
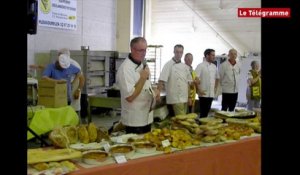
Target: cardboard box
column 50, row 84
column 52, row 94
column 52, row 102
column 59, row 91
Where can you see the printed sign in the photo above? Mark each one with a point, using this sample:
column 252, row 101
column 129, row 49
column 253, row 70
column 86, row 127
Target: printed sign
column 165, row 143
column 120, row 158
column 58, row 14
column 106, row 147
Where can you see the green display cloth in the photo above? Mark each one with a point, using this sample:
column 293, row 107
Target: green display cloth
column 31, row 110
column 47, row 119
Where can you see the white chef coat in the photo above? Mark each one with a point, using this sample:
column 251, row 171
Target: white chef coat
column 135, row 113
column 230, row 77
column 177, row 77
column 207, row 73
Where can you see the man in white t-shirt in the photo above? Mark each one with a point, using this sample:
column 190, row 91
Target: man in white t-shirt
column 137, row 96
column 209, row 79
column 77, row 84
column 176, row 76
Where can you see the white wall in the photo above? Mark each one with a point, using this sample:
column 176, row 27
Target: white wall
column 124, row 24
column 96, row 27
column 191, row 42
column 171, row 27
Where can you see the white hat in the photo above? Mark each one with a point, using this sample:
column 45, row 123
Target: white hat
column 64, row 61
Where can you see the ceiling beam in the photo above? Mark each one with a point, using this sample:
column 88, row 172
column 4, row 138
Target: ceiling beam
column 239, row 50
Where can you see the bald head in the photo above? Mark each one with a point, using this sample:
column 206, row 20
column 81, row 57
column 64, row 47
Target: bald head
column 138, row 47
column 232, row 54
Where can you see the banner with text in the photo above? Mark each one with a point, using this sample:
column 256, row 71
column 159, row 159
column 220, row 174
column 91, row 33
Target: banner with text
column 58, row 14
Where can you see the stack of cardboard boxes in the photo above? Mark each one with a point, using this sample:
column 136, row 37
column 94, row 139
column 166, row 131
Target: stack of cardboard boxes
column 52, row 94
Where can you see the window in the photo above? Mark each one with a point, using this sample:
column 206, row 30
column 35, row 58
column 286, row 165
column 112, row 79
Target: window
column 138, row 17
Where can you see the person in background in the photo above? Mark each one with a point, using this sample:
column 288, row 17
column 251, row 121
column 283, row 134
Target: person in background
column 61, row 71
column 177, row 78
column 77, row 83
column 229, row 72
column 137, row 96
column 209, row 80
column 188, row 59
column 253, row 92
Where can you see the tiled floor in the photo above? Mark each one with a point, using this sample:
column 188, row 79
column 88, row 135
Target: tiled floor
column 105, row 120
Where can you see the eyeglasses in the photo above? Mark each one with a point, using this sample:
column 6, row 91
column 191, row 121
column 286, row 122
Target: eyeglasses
column 140, row 50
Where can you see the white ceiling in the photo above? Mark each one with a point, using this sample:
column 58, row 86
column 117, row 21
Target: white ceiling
column 209, row 18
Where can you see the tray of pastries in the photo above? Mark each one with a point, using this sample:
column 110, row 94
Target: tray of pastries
column 235, row 114
column 94, row 157
column 125, row 149
column 144, row 147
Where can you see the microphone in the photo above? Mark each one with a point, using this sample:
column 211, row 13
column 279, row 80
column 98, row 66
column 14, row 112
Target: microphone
column 144, row 63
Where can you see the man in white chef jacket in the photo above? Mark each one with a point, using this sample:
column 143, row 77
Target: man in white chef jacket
column 176, row 76
column 229, row 72
column 209, row 79
column 137, row 96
